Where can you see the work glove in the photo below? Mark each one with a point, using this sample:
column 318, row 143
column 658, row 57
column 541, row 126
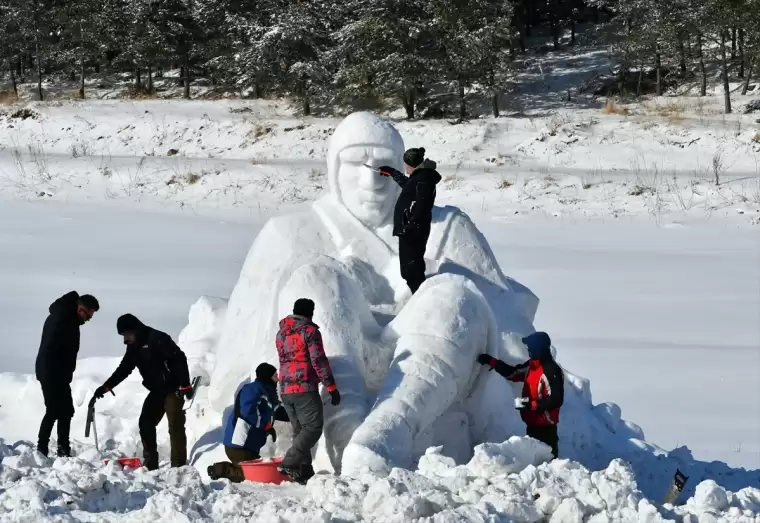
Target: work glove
column 273, row 433
column 101, row 391
column 334, row 397
column 185, row 392
column 387, row 170
column 522, row 403
column 485, row 359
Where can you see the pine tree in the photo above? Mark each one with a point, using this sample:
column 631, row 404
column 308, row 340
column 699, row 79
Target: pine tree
column 471, row 36
column 386, row 49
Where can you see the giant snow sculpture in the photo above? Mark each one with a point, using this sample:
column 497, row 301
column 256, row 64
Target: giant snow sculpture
column 405, row 365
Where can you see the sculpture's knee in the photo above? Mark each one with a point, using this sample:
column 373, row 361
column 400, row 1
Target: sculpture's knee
column 452, row 308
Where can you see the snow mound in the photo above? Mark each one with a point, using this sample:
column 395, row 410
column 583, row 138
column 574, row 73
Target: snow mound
column 502, row 483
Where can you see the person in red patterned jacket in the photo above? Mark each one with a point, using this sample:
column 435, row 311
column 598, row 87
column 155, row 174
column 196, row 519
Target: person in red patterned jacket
column 543, row 391
column 303, row 366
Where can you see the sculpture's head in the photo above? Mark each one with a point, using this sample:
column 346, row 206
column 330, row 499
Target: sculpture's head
column 363, row 139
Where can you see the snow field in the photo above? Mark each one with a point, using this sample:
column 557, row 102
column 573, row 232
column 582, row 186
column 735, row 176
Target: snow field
column 503, row 482
column 257, row 156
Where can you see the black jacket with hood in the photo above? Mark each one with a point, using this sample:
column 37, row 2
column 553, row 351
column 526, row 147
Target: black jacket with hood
column 414, row 207
column 162, row 364
column 57, row 356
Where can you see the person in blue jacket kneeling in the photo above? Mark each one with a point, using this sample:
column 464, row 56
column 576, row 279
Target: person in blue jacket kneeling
column 257, row 406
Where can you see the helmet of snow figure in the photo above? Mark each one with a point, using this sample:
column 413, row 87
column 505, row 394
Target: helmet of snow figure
column 362, row 142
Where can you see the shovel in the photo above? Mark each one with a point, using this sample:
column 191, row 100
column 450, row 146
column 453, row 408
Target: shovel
column 124, row 462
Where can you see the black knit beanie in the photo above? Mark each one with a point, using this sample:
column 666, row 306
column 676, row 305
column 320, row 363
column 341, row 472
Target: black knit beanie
column 414, row 157
column 127, row 323
column 303, row 307
column 265, row 371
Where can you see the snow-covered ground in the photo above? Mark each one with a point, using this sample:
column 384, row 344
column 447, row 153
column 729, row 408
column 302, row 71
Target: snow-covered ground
column 648, row 275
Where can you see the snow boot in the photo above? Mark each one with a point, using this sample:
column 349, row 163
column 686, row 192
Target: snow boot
column 294, row 474
column 64, row 452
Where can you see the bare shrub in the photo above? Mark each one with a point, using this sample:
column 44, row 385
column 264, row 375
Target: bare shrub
column 611, row 108
column 718, row 165
column 672, row 111
column 504, row 184
column 8, row 98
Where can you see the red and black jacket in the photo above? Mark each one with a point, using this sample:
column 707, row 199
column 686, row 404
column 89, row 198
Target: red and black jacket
column 544, row 384
column 303, row 363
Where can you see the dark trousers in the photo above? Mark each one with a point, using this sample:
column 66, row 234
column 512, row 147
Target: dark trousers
column 411, row 253
column 59, row 408
column 306, row 418
column 545, row 434
column 155, row 406
column 231, row 469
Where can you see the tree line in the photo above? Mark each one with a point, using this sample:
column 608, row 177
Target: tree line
column 321, row 51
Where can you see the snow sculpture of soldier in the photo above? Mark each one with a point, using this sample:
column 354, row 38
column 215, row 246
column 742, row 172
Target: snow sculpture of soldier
column 405, row 365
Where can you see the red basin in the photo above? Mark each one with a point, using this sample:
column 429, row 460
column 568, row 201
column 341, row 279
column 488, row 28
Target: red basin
column 263, row 471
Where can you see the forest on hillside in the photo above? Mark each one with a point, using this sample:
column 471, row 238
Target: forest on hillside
column 403, row 51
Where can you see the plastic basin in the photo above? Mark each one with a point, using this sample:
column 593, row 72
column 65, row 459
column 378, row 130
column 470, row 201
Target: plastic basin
column 262, row 471
column 134, row 463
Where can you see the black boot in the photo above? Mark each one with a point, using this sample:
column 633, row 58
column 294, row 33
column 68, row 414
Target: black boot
column 42, row 448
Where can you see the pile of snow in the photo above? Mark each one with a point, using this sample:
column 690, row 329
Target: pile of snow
column 502, row 483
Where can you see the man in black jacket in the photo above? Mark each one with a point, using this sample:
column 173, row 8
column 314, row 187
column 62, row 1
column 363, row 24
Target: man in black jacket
column 163, row 367
column 56, row 362
column 413, row 213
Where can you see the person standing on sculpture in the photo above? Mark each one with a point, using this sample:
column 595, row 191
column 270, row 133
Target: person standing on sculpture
column 303, row 365
column 413, row 213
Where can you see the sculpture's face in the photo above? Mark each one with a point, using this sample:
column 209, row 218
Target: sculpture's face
column 364, row 191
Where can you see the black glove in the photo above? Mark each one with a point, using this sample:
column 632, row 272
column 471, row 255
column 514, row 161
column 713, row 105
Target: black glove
column 485, row 359
column 335, row 397
column 273, row 433
column 100, row 392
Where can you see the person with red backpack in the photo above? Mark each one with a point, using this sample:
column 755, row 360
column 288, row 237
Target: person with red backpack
column 543, row 391
column 303, row 366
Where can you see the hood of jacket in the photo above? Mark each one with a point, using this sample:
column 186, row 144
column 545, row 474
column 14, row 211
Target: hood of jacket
column 67, row 301
column 292, row 324
column 539, row 346
column 426, row 171
column 129, row 322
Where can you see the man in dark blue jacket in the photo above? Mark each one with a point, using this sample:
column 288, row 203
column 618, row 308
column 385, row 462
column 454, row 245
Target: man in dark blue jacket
column 413, row 213
column 163, row 367
column 251, row 420
column 56, row 362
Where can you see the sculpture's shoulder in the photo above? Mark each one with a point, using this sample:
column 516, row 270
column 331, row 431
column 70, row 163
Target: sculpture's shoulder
column 452, row 224
column 301, row 230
